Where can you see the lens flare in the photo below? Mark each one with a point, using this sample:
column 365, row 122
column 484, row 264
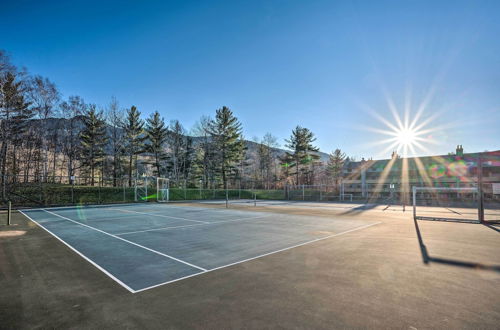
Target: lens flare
column 406, row 136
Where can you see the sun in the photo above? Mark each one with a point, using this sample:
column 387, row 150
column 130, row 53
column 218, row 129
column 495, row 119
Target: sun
column 406, row 136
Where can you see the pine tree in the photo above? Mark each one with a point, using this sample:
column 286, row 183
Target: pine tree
column 303, row 152
column 225, row 130
column 156, row 133
column 14, row 113
column 335, row 165
column 93, row 138
column 134, row 131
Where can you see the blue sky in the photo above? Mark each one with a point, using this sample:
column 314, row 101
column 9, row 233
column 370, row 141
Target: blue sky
column 324, row 65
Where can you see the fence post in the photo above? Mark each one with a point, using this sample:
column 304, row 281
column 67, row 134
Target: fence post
column 414, row 188
column 41, row 191
column 135, row 189
column 9, row 212
column 480, row 188
column 4, row 183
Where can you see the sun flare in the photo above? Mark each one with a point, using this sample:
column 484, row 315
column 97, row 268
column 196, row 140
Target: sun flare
column 406, row 136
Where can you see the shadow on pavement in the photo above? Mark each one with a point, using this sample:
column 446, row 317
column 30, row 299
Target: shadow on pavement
column 360, row 209
column 494, row 226
column 428, row 259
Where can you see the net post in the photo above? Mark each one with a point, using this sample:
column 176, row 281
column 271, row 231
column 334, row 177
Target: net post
column 254, row 199
column 9, row 212
column 227, row 199
column 414, row 188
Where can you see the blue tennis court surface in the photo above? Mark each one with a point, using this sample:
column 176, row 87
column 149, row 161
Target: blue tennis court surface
column 142, row 246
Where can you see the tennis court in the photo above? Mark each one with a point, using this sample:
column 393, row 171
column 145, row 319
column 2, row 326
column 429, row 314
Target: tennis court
column 142, row 246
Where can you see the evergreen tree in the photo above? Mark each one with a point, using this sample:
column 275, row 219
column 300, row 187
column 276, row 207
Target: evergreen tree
column 93, row 138
column 157, row 134
column 303, row 151
column 14, row 113
column 134, row 132
column 335, row 165
column 225, row 131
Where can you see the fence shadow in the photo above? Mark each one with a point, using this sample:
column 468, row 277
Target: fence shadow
column 495, row 226
column 427, row 259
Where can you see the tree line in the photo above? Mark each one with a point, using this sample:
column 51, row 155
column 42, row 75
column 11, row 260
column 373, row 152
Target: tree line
column 46, row 138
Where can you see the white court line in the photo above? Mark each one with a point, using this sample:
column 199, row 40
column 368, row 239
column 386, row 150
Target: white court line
column 130, row 242
column 157, row 215
column 201, row 224
column 157, row 229
column 81, row 255
column 262, row 255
